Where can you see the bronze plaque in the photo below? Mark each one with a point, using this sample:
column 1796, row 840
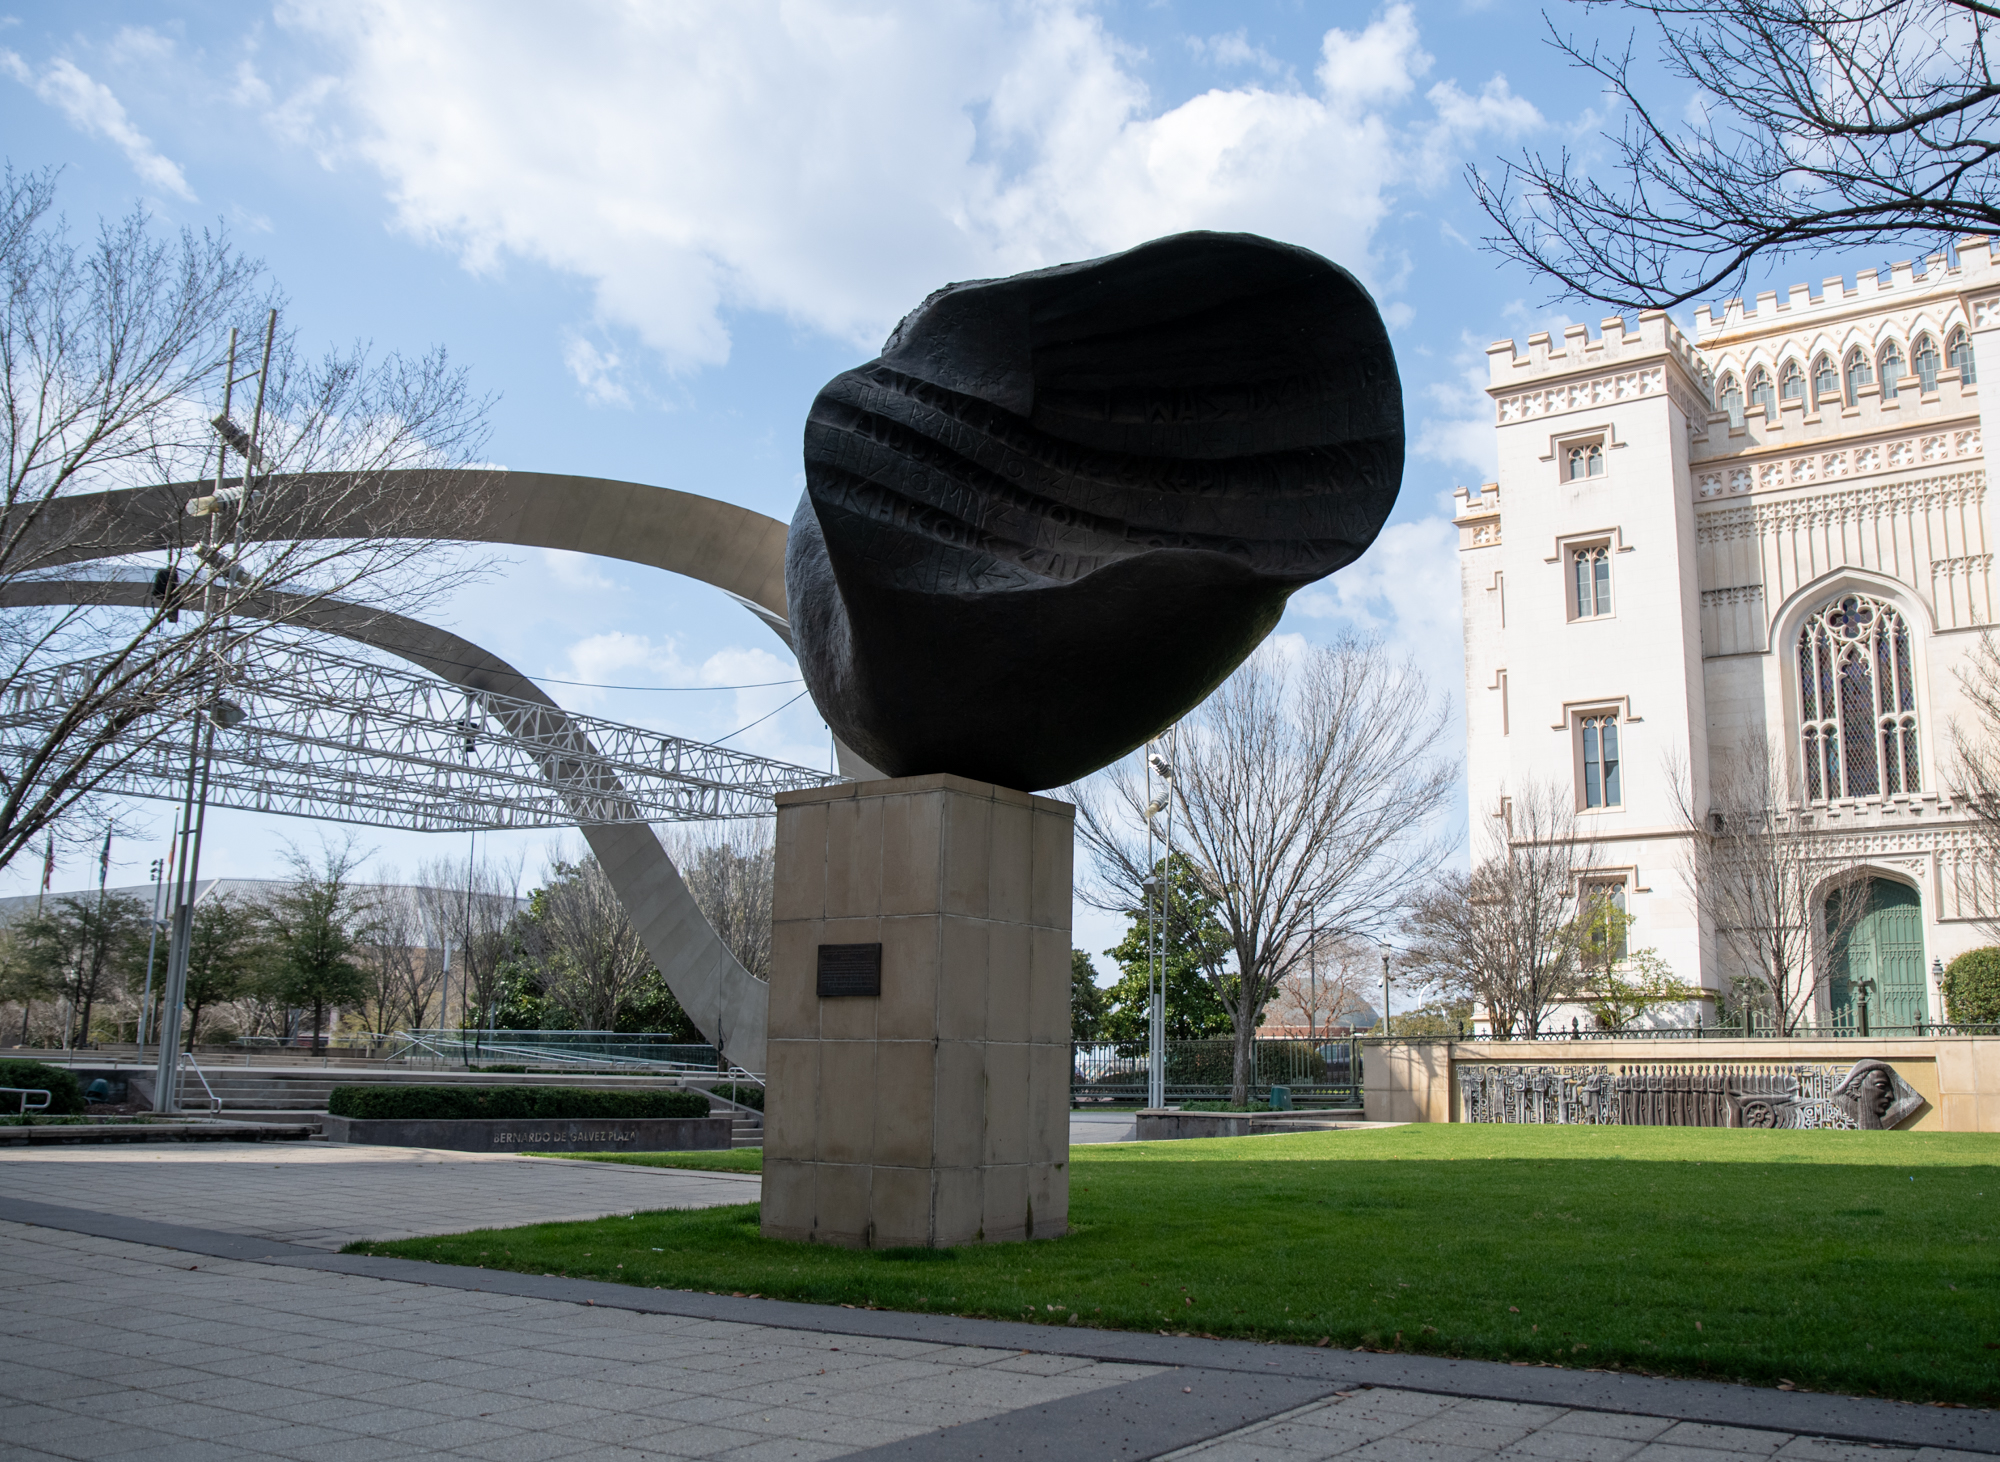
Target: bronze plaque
column 850, row 969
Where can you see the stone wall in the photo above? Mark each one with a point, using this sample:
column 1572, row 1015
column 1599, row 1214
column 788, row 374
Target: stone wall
column 1958, row 1077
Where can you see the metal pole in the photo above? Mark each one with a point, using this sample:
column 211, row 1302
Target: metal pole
column 159, row 872
column 1385, row 989
column 194, row 804
column 1155, row 957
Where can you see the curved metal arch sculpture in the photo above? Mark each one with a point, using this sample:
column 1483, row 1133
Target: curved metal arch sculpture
column 725, row 1001
column 738, row 551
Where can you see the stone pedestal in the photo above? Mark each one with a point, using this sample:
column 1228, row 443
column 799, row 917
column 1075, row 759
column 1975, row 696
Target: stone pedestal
column 937, row 1112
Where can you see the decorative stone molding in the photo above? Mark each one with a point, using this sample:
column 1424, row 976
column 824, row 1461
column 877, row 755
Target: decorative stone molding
column 1575, row 395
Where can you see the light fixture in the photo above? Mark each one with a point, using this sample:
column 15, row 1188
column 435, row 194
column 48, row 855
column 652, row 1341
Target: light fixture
column 1160, row 765
column 226, row 713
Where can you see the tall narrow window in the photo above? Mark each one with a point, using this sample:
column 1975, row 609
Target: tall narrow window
column 1761, row 392
column 1958, row 354
column 1891, row 361
column 1730, row 399
column 1924, row 361
column 1792, row 384
column 1826, row 380
column 1586, row 460
column 1610, row 897
column 1591, row 576
column 1600, row 762
column 1858, row 701
column 1858, row 373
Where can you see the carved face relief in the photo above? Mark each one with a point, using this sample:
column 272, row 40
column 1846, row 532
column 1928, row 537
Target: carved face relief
column 1875, row 1096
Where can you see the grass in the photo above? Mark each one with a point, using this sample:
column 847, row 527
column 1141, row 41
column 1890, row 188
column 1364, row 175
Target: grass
column 1862, row 1262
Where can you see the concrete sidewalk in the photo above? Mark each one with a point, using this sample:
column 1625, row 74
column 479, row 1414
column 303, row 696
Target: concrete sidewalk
column 212, row 1337
column 326, row 1195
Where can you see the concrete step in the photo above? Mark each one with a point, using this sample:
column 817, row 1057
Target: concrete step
column 747, row 1130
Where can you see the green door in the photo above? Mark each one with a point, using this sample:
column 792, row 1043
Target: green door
column 1886, row 947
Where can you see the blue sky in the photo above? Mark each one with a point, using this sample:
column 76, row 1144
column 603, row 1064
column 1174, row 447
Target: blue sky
column 653, row 231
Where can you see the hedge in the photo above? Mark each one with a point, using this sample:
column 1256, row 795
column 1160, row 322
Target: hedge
column 65, row 1095
column 742, row 1094
column 458, row 1103
column 1972, row 987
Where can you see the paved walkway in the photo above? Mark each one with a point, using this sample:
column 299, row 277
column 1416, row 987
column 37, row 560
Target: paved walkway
column 210, row 1336
column 326, row 1195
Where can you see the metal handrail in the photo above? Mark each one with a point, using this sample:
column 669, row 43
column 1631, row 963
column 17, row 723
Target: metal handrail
column 214, row 1101
column 24, row 1092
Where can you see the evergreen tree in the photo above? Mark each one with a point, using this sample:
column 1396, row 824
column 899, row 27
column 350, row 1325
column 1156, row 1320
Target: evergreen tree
column 1087, row 1003
column 226, row 957
column 1197, row 951
column 314, row 923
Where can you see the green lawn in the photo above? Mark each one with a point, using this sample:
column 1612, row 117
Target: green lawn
column 1852, row 1261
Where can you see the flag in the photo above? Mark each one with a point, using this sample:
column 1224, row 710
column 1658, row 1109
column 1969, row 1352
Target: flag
column 49, row 864
column 104, row 862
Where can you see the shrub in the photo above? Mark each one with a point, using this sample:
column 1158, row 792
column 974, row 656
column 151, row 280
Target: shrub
column 1972, row 987
column 743, row 1095
column 458, row 1103
column 65, row 1096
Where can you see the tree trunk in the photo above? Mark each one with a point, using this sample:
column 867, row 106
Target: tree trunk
column 319, row 1010
column 194, row 1024
column 1241, row 1070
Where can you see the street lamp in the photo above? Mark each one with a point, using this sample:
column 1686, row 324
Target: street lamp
column 1386, row 952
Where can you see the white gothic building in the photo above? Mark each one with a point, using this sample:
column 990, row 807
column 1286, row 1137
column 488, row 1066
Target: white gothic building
column 1691, row 540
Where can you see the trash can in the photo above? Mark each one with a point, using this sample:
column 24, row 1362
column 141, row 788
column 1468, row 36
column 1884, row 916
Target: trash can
column 1281, row 1098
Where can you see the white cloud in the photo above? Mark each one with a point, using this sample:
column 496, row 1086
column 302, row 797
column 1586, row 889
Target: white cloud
column 1404, row 589
column 833, row 165
column 1235, row 49
column 94, row 111
column 1458, row 427
column 575, row 570
column 596, row 371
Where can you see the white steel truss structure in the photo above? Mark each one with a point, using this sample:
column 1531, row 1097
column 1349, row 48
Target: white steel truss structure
column 332, row 737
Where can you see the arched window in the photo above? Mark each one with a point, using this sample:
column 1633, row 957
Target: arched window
column 1792, row 383
column 1858, row 373
column 1730, row 399
column 1924, row 361
column 1858, row 701
column 1591, row 568
column 1761, row 393
column 1891, row 361
column 1586, row 460
column 1600, row 762
column 1958, row 354
column 1826, row 380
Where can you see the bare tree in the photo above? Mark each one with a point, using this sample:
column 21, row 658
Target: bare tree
column 473, row 904
column 588, row 959
column 1303, row 792
column 1505, row 935
column 1814, row 125
column 729, row 871
column 1780, row 906
column 114, row 373
column 405, row 968
column 1339, row 975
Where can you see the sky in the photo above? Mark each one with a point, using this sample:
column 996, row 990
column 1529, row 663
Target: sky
column 653, row 231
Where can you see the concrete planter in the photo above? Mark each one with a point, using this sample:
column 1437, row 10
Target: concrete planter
column 1157, row 1124
column 520, row 1134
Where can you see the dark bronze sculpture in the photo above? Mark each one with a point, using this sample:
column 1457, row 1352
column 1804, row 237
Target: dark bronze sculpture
column 1060, row 508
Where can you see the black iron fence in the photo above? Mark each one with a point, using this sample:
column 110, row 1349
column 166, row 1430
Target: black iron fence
column 1759, row 1027
column 1317, row 1073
